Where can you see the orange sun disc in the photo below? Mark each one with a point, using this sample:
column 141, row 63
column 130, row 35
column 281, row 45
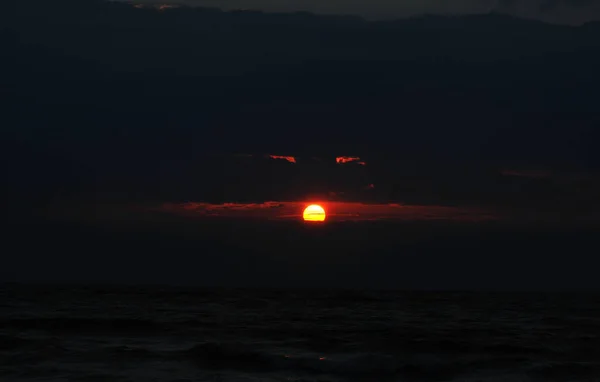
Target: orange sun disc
column 314, row 213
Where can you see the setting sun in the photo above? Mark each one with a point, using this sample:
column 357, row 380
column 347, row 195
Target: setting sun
column 314, row 213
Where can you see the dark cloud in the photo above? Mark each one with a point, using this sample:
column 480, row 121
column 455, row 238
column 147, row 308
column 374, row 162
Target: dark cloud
column 561, row 11
column 506, row 5
column 549, row 5
column 175, row 87
column 540, row 174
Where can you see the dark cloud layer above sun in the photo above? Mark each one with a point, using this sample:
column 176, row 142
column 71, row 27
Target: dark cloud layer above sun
column 560, row 11
column 434, row 107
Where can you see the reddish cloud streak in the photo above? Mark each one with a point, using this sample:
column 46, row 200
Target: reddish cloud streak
column 160, row 7
column 343, row 160
column 336, row 211
column 287, row 158
column 293, row 159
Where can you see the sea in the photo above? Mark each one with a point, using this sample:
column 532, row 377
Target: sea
column 157, row 333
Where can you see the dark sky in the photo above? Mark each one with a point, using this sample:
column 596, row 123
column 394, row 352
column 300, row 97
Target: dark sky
column 558, row 11
column 110, row 105
column 437, row 107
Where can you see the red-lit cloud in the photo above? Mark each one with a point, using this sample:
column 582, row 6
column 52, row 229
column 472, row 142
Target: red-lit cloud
column 160, row 7
column 343, row 160
column 287, row 158
column 336, row 211
column 293, row 159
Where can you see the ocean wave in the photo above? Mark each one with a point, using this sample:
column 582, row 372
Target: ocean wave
column 124, row 351
column 245, row 358
column 15, row 350
column 238, row 357
column 63, row 325
column 565, row 370
column 515, row 349
column 11, row 343
column 217, row 356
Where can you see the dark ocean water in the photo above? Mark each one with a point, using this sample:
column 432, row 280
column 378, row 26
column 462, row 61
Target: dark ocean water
column 84, row 333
